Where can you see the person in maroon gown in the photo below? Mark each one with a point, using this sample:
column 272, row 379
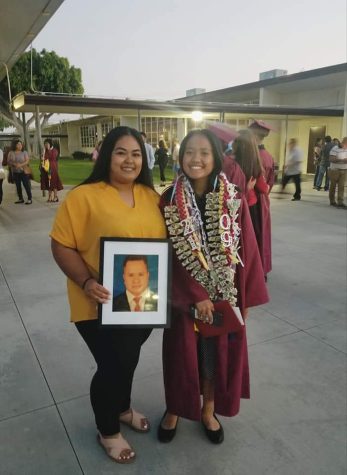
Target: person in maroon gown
column 50, row 178
column 247, row 156
column 261, row 130
column 216, row 257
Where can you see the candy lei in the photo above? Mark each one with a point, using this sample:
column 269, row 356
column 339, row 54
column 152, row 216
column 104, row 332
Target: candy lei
column 210, row 257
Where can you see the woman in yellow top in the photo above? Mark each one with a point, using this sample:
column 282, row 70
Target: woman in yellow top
column 117, row 200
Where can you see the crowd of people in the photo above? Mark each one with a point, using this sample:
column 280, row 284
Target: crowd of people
column 19, row 171
column 330, row 159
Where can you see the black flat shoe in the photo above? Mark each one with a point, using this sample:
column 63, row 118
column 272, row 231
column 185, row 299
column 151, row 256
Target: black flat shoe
column 166, row 435
column 18, row 202
column 214, row 436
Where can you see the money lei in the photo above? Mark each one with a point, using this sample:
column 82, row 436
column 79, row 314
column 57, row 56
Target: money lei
column 210, row 257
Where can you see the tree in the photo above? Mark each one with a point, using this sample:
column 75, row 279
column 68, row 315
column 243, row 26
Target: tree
column 50, row 73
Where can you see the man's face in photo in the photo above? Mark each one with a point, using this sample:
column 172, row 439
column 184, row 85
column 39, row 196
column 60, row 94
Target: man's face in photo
column 136, row 277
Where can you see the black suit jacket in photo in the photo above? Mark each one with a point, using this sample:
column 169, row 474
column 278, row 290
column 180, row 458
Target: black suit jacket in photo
column 121, row 304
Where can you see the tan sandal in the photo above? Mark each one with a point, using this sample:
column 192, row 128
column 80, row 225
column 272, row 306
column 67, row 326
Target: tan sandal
column 117, row 449
column 136, row 421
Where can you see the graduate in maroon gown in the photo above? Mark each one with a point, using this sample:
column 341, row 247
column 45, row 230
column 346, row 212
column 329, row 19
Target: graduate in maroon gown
column 216, row 257
column 50, row 179
column 246, row 155
column 261, row 130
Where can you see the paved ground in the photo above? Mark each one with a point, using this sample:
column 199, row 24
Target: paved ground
column 295, row 422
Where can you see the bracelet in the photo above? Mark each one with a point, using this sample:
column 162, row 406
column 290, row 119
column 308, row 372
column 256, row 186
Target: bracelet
column 85, row 282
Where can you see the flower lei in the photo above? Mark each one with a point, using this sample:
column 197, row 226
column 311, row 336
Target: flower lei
column 210, row 257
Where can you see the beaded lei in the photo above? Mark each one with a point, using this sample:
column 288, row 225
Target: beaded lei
column 210, row 257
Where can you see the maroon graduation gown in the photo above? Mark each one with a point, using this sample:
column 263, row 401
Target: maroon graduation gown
column 180, row 358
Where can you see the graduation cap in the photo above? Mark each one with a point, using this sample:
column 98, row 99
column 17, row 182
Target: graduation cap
column 260, row 124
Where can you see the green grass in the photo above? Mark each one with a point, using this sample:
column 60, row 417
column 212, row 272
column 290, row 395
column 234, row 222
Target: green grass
column 73, row 172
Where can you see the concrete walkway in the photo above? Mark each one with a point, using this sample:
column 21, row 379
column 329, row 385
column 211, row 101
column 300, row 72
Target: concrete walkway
column 295, row 422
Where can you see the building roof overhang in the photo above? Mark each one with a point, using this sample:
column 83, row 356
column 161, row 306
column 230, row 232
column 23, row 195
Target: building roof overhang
column 314, row 79
column 30, row 17
column 68, row 104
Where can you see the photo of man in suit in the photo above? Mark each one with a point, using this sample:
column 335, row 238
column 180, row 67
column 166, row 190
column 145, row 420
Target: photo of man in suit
column 137, row 296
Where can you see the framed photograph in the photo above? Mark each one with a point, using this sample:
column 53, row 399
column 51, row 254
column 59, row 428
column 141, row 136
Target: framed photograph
column 137, row 272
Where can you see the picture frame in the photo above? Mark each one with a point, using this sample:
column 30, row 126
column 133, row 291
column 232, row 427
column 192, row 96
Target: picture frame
column 137, row 272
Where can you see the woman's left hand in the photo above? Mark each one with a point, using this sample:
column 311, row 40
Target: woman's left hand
column 245, row 314
column 251, row 183
column 205, row 309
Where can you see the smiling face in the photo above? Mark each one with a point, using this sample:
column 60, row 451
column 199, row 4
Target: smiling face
column 136, row 277
column 198, row 160
column 19, row 146
column 126, row 161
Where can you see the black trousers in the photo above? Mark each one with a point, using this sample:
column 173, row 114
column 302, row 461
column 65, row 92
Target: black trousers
column 297, row 180
column 20, row 178
column 162, row 165
column 116, row 352
column 1, row 192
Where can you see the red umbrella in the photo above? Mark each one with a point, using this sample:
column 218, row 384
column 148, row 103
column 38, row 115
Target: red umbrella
column 223, row 131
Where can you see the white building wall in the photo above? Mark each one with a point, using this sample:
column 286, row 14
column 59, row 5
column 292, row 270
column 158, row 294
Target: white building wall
column 268, row 97
column 74, row 140
column 317, row 98
column 129, row 121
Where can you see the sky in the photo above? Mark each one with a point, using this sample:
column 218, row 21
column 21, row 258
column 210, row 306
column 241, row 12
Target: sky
column 157, row 49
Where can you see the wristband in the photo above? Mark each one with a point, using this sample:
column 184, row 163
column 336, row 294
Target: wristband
column 85, row 282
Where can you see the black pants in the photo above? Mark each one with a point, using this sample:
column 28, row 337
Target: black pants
column 1, row 192
column 116, row 352
column 20, row 178
column 297, row 180
column 162, row 165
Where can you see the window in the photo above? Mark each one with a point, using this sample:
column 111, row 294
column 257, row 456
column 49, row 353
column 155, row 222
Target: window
column 88, row 135
column 105, row 128
column 158, row 128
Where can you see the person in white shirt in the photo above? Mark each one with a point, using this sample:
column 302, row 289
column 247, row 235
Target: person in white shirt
column 175, row 157
column 137, row 296
column 149, row 152
column 292, row 170
column 337, row 173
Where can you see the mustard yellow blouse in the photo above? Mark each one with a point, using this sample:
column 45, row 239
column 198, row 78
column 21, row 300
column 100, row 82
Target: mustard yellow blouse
column 95, row 210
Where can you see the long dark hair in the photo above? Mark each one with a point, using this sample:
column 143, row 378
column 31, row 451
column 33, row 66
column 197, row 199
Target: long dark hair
column 101, row 170
column 246, row 154
column 217, row 152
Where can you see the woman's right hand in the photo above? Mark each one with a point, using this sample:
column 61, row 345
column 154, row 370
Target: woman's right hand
column 97, row 292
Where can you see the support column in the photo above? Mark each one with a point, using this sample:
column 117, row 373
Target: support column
column 181, row 129
column 38, row 131
column 344, row 120
column 25, row 134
